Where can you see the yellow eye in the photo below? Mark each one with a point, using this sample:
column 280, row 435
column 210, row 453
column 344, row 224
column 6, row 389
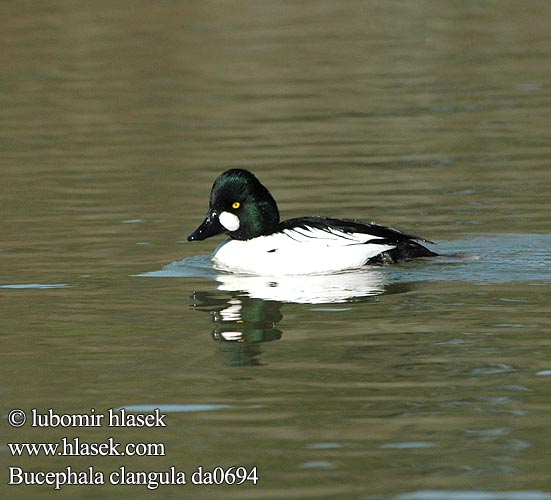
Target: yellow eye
column 236, row 205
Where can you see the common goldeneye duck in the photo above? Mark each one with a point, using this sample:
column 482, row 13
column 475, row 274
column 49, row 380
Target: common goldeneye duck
column 259, row 243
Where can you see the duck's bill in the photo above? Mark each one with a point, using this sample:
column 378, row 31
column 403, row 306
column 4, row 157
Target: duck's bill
column 209, row 227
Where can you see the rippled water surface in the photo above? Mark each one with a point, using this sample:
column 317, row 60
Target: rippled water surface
column 423, row 381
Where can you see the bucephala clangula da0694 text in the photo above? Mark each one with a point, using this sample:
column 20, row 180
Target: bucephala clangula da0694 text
column 241, row 207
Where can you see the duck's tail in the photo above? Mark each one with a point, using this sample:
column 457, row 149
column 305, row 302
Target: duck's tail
column 404, row 251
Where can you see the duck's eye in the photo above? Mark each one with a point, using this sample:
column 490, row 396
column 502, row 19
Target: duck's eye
column 236, row 205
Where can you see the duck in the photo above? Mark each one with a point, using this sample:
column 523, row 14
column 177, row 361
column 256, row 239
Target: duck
column 259, row 243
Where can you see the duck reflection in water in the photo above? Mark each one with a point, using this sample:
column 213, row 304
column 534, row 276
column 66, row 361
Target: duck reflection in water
column 249, row 316
column 241, row 324
column 311, row 289
column 245, row 309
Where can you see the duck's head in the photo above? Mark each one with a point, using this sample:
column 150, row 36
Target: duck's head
column 240, row 206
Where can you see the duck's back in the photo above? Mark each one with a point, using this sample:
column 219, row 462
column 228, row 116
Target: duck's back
column 313, row 245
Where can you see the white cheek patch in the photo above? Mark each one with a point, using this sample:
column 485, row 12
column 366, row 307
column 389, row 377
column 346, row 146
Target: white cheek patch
column 229, row 221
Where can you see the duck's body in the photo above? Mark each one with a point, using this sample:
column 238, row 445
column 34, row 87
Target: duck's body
column 259, row 243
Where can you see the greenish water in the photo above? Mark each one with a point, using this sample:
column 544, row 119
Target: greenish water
column 427, row 380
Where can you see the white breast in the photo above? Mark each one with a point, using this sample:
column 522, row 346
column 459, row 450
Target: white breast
column 298, row 251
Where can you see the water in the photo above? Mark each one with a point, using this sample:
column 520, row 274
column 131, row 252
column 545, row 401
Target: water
column 425, row 380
